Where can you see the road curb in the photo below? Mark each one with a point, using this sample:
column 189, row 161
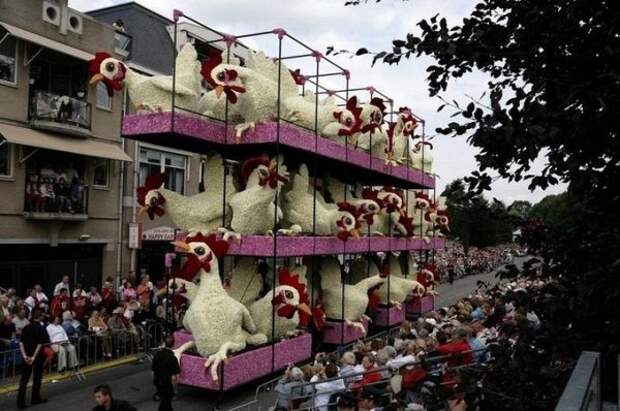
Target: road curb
column 91, row 369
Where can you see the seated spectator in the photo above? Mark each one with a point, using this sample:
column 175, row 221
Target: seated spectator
column 108, row 294
column 144, row 291
column 370, row 378
column 288, row 388
column 93, row 298
column 127, row 291
column 64, row 283
column 60, row 303
column 326, row 392
column 62, row 346
column 41, row 297
column 116, row 324
column 79, row 301
column 72, row 327
column 31, row 302
column 98, row 326
column 349, row 367
column 20, row 320
column 4, row 306
column 7, row 331
column 63, row 196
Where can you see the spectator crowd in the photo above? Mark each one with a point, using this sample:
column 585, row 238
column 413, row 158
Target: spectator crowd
column 419, row 366
column 73, row 312
column 54, row 189
column 454, row 262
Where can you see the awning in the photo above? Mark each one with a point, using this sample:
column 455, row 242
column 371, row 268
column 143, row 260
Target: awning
column 84, row 146
column 48, row 43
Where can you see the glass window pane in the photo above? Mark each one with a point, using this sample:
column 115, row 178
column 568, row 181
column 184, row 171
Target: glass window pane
column 150, row 156
column 5, row 160
column 147, row 170
column 175, row 160
column 103, row 99
column 7, row 57
column 100, row 173
column 175, row 179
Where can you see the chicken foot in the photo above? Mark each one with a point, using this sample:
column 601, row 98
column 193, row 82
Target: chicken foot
column 227, row 234
column 221, row 356
column 243, row 127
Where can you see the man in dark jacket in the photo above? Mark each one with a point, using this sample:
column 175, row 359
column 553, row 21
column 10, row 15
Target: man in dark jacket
column 105, row 402
column 34, row 337
column 165, row 374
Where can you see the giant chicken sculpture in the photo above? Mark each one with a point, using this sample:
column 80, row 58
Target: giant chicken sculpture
column 399, row 138
column 253, row 87
column 332, row 121
column 202, row 212
column 219, row 323
column 421, row 156
column 419, row 206
column 367, row 206
column 372, row 137
column 393, row 218
column 152, row 93
column 357, row 297
column 398, row 288
column 290, row 301
column 299, row 209
column 254, row 208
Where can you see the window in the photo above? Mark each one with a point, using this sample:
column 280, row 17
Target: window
column 104, row 100
column 101, row 173
column 6, row 161
column 8, row 56
column 171, row 164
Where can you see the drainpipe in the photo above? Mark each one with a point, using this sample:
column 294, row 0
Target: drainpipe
column 121, row 215
column 134, row 202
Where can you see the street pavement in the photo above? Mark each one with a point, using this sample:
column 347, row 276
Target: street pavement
column 134, row 382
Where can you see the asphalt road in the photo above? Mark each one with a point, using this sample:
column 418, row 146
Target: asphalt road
column 134, row 382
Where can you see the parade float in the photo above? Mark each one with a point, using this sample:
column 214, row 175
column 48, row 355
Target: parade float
column 320, row 199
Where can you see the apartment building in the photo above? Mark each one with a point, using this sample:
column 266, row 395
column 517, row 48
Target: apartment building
column 61, row 156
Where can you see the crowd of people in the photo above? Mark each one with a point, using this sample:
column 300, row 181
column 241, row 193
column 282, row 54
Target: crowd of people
column 54, row 189
column 455, row 262
column 422, row 363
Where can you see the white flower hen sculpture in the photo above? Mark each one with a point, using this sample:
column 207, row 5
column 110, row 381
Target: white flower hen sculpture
column 299, row 209
column 367, row 207
column 152, row 93
column 372, row 137
column 202, row 212
column 419, row 206
column 254, row 208
column 400, row 134
column 219, row 323
column 357, row 297
column 253, row 88
column 421, row 156
column 400, row 288
column 290, row 299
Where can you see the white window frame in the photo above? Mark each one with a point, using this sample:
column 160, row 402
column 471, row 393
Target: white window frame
column 13, row 83
column 108, row 163
column 162, row 164
column 102, row 87
column 11, row 175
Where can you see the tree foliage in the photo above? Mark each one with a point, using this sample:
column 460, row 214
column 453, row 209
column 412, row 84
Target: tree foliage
column 554, row 91
column 475, row 221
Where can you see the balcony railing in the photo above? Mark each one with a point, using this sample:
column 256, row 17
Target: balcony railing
column 122, row 44
column 60, row 113
column 45, row 199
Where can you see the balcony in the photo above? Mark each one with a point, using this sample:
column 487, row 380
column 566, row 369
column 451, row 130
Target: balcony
column 122, row 44
column 60, row 113
column 48, row 200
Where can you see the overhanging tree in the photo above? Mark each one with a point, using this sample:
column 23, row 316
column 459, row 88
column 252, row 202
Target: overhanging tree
column 554, row 91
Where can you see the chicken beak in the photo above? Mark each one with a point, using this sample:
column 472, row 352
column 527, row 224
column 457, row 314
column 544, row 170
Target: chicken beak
column 304, row 308
column 142, row 210
column 95, row 79
column 355, row 233
column 218, row 91
column 182, row 246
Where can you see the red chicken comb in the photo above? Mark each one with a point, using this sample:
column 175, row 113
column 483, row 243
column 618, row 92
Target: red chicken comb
column 407, row 222
column 299, row 78
column 250, row 164
column 378, row 102
column 285, row 277
column 153, row 182
column 218, row 247
column 356, row 111
column 423, row 196
column 214, row 60
column 423, row 143
column 372, row 194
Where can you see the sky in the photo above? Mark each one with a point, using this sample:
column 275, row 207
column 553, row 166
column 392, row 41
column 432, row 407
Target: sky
column 322, row 23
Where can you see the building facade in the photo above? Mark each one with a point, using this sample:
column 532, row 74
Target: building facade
column 61, row 157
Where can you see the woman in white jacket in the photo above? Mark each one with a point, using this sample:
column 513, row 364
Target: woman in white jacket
column 325, row 390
